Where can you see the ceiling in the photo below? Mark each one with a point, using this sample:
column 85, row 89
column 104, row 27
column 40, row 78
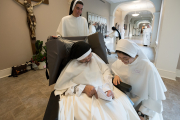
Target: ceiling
column 116, row 1
column 136, row 5
column 142, row 13
column 139, row 6
column 133, row 5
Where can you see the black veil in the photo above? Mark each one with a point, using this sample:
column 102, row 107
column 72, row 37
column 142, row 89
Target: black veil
column 72, row 3
column 113, row 28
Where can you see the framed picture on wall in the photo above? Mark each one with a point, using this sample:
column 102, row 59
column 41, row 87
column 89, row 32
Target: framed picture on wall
column 125, row 26
column 98, row 21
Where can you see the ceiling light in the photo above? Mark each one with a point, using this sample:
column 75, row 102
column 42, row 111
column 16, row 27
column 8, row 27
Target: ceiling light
column 135, row 14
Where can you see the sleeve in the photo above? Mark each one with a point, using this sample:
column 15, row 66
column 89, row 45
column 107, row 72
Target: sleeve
column 107, row 76
column 112, row 34
column 107, row 80
column 86, row 30
column 70, row 91
column 75, row 90
column 79, row 89
column 107, row 86
column 59, row 31
column 114, row 68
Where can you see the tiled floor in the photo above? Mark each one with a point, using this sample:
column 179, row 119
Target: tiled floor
column 25, row 97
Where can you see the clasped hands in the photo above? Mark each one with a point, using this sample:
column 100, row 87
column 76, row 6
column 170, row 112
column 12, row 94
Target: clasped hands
column 90, row 91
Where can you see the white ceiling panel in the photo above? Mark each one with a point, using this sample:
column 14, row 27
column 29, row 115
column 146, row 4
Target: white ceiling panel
column 116, row 1
column 136, row 5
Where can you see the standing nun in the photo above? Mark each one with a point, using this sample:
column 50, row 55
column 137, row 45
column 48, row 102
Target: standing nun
column 147, row 36
column 134, row 68
column 92, row 28
column 73, row 24
column 114, row 36
column 114, row 33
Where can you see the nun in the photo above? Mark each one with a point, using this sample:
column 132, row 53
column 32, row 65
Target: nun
column 147, row 36
column 73, row 24
column 92, row 28
column 115, row 35
column 86, row 90
column 134, row 68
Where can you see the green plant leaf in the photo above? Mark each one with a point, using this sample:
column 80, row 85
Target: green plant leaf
column 41, row 52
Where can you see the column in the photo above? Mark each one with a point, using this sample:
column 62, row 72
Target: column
column 155, row 25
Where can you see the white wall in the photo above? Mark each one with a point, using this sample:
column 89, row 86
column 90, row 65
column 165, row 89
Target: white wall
column 169, row 40
column 118, row 17
column 15, row 45
column 97, row 7
column 178, row 66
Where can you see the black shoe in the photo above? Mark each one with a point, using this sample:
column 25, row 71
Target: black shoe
column 109, row 53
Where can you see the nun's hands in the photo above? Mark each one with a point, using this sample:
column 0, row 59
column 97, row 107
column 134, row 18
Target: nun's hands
column 55, row 37
column 117, row 80
column 90, row 91
column 110, row 93
column 141, row 117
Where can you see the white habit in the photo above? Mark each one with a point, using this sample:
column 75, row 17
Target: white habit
column 81, row 107
column 92, row 29
column 114, row 35
column 72, row 26
column 147, row 36
column 142, row 75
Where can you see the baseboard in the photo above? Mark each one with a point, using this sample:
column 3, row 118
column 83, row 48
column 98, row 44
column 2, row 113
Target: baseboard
column 167, row 74
column 5, row 72
column 177, row 73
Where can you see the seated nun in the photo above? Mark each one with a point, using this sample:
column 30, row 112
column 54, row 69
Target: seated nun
column 134, row 68
column 86, row 90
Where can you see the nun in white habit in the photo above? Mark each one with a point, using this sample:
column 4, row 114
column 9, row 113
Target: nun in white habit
column 92, row 28
column 134, row 68
column 86, row 90
column 147, row 36
column 73, row 24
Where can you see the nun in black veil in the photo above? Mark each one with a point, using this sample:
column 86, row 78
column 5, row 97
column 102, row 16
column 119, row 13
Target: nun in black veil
column 86, row 91
column 113, row 34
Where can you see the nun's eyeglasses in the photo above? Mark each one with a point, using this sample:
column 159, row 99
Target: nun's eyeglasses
column 126, row 59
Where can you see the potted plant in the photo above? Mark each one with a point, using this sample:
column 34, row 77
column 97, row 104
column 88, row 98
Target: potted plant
column 41, row 53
